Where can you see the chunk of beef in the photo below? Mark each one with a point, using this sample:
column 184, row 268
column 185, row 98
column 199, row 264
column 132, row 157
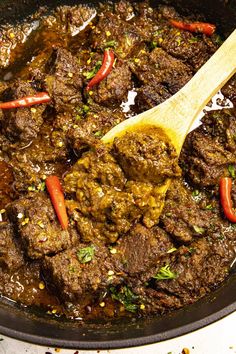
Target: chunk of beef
column 6, row 180
column 37, row 226
column 146, row 20
column 141, row 249
column 89, row 128
column 229, row 90
column 189, row 47
column 21, row 124
column 101, row 209
column 150, row 95
column 114, row 88
column 198, row 269
column 11, row 257
column 63, row 82
column 182, row 216
column 124, row 9
column 101, row 212
column 99, row 166
column 160, row 68
column 157, row 301
column 146, row 156
column 47, row 155
column 72, row 18
column 106, row 204
column 210, row 149
column 125, row 35
column 72, row 277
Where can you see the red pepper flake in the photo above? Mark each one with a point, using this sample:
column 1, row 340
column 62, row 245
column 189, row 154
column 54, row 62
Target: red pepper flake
column 196, row 27
column 41, row 97
column 104, row 71
column 225, row 198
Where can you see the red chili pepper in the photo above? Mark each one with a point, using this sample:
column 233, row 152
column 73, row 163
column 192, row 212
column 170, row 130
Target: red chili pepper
column 198, row 27
column 41, row 97
column 225, row 198
column 57, row 197
column 107, row 63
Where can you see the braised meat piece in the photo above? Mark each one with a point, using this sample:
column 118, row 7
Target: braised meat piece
column 47, row 154
column 182, row 216
column 71, row 18
column 92, row 122
column 160, row 68
column 191, row 48
column 146, row 156
column 21, row 124
column 11, row 256
column 141, row 249
column 114, row 88
column 99, row 166
column 198, row 270
column 63, row 81
column 229, row 90
column 209, row 150
column 37, row 226
column 85, row 269
column 150, row 95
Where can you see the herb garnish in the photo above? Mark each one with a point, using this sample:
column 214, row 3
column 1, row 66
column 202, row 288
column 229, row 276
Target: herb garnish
column 193, row 40
column 90, row 74
column 231, row 170
column 86, row 254
column 198, row 230
column 153, row 44
column 209, row 207
column 195, row 193
column 126, row 297
column 165, row 273
column 110, row 44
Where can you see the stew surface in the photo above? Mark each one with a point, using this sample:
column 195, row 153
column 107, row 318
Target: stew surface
column 83, row 231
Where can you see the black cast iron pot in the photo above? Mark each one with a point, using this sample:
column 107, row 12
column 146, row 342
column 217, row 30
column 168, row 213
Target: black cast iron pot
column 35, row 327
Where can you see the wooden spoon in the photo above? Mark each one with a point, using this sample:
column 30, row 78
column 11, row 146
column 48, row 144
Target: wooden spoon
column 176, row 115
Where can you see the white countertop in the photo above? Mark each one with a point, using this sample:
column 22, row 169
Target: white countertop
column 217, row 338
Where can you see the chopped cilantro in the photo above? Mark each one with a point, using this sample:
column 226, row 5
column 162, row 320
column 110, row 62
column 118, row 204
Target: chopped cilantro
column 98, row 133
column 231, row 170
column 165, row 273
column 90, row 74
column 221, row 237
column 198, row 230
column 158, row 32
column 71, row 269
column 82, row 111
column 126, row 297
column 86, row 254
column 86, row 108
column 153, row 44
column 111, row 43
column 192, row 250
column 193, row 40
column 209, row 207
